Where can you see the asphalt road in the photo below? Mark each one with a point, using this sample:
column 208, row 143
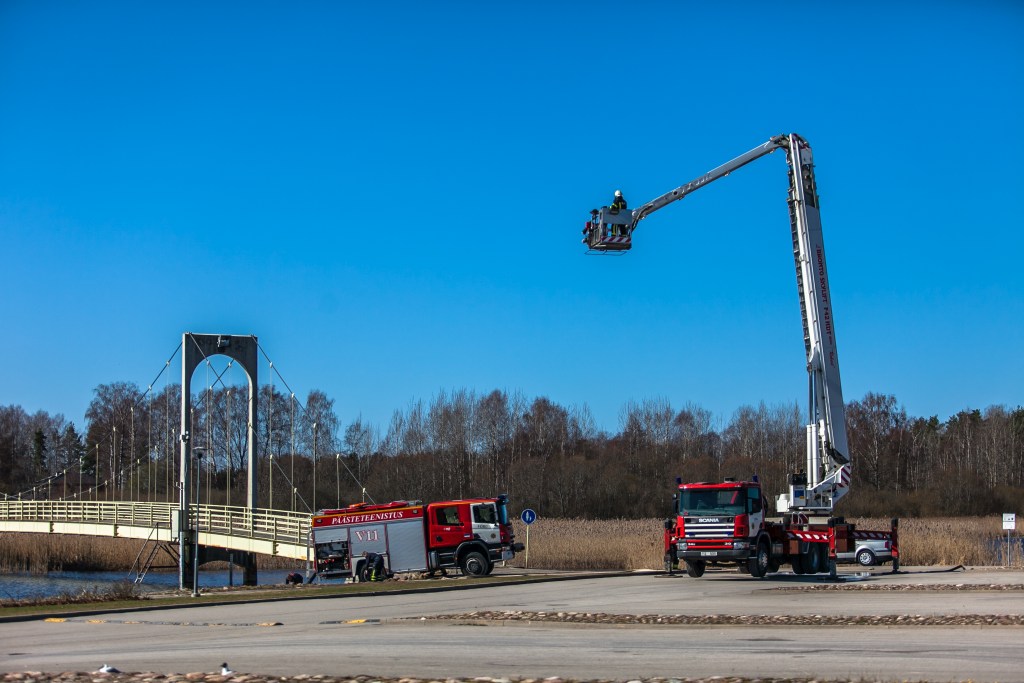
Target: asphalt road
column 382, row 635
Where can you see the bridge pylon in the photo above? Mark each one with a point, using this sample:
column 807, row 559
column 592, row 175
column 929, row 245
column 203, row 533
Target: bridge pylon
column 196, row 348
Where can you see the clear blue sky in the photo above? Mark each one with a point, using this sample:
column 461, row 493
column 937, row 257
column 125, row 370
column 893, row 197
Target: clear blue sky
column 390, row 196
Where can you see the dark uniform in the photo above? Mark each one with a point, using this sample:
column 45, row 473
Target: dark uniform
column 618, row 204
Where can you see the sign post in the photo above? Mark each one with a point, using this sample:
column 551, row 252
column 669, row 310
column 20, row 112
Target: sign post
column 1010, row 524
column 529, row 517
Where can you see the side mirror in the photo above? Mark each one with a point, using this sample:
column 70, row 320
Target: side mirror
column 669, row 524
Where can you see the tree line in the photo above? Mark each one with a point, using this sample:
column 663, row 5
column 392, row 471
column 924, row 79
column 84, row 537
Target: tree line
column 463, row 444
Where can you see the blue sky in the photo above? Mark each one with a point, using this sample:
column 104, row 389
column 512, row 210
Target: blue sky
column 390, row 196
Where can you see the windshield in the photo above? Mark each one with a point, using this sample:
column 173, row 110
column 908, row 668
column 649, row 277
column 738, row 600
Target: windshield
column 713, row 502
column 502, row 510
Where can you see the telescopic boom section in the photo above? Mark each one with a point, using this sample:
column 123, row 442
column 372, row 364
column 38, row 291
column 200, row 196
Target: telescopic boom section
column 827, row 477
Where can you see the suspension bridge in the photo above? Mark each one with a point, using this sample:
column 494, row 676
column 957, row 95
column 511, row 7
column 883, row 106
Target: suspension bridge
column 181, row 526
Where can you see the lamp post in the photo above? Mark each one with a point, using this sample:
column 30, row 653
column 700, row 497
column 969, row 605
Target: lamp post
column 314, row 466
column 198, row 456
column 337, row 477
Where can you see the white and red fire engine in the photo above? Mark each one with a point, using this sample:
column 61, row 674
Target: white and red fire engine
column 728, row 522
column 411, row 536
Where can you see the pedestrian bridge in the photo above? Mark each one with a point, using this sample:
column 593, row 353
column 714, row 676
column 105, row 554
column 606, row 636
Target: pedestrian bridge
column 268, row 532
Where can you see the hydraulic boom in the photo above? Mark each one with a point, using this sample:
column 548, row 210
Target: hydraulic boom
column 827, row 477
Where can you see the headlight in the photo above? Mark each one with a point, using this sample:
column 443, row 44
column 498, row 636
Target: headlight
column 740, row 545
column 682, row 545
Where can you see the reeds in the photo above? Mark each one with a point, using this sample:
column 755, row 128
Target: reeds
column 630, row 544
column 41, row 553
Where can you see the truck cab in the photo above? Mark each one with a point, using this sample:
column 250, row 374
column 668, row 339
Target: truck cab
column 716, row 524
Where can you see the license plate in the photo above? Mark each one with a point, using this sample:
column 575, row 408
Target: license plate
column 709, row 553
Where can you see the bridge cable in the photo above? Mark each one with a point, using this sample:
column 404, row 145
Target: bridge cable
column 285, row 383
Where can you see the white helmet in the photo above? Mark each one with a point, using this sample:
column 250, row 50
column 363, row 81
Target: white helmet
column 618, row 193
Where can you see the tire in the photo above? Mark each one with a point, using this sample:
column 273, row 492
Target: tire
column 695, row 568
column 866, row 558
column 474, row 564
column 812, row 559
column 759, row 563
column 798, row 564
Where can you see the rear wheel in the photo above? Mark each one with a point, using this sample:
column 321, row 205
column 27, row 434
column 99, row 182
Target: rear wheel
column 865, row 557
column 695, row 568
column 812, row 559
column 474, row 564
column 798, row 564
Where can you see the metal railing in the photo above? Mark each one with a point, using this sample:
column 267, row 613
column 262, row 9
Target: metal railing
column 272, row 525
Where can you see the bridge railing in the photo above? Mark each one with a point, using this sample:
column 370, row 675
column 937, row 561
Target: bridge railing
column 277, row 525
column 156, row 515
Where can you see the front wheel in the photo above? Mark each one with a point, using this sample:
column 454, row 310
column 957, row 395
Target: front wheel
column 474, row 564
column 759, row 563
column 695, row 569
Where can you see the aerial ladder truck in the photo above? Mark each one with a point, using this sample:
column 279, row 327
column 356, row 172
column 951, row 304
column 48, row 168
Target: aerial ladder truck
column 727, row 522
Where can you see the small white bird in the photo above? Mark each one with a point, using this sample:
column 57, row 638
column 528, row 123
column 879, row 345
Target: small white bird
column 107, row 669
column 225, row 671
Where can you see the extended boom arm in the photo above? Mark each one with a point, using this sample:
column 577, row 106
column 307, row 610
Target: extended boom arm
column 827, row 477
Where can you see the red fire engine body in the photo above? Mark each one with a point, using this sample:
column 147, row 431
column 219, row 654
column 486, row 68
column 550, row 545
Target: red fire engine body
column 410, row 536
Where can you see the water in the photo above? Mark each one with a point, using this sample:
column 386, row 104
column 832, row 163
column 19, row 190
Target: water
column 23, row 586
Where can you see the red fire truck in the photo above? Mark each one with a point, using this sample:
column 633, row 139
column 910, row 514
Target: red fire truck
column 727, row 523
column 410, row 536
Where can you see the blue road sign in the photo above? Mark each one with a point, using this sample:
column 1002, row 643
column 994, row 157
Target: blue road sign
column 528, row 516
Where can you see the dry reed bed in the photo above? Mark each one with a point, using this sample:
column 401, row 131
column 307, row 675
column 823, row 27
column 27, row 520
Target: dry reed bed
column 619, row 544
column 40, row 553
column 630, row 544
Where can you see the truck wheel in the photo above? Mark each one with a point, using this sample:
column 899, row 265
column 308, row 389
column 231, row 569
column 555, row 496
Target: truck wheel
column 474, row 564
column 812, row 559
column 759, row 563
column 798, row 564
column 695, row 569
